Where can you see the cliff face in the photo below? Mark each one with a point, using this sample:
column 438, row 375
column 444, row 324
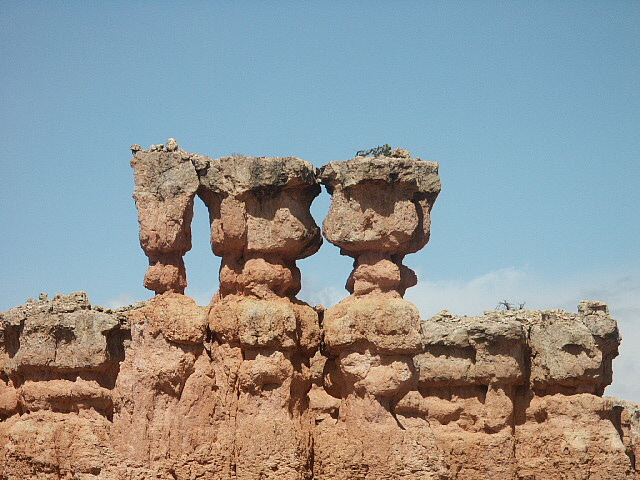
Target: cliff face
column 259, row 385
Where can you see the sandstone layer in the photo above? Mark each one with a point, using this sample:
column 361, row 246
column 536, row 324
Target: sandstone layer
column 149, row 391
column 259, row 385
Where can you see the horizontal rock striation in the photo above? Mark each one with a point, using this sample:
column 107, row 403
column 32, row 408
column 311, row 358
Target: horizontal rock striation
column 259, row 385
column 60, row 360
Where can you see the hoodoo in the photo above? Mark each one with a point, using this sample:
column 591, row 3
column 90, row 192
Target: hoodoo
column 260, row 385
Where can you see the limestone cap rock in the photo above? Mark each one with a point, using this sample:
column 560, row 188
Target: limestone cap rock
column 238, row 174
column 63, row 334
column 412, row 173
column 260, row 205
column 380, row 204
column 471, row 350
column 572, row 352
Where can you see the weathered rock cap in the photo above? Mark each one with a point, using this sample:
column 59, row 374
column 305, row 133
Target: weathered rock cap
column 471, row 351
column 239, row 174
column 410, row 172
column 260, row 205
column 570, row 352
column 445, row 329
column 152, row 166
column 162, row 172
column 380, row 204
column 63, row 334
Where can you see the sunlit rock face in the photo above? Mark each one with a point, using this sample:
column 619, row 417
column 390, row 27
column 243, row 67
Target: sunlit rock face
column 165, row 185
column 259, row 385
column 260, row 226
column 59, row 364
column 380, row 212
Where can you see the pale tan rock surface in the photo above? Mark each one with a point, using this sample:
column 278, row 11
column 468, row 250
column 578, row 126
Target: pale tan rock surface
column 174, row 316
column 259, row 385
column 59, row 362
column 190, row 406
column 479, row 391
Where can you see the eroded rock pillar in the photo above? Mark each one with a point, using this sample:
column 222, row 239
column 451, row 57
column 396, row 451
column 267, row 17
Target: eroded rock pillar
column 379, row 213
column 165, row 398
column 260, row 226
column 165, row 185
column 563, row 421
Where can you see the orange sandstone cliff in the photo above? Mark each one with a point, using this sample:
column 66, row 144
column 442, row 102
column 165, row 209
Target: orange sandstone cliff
column 260, row 385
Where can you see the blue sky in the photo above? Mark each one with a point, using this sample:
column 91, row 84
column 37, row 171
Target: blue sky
column 531, row 108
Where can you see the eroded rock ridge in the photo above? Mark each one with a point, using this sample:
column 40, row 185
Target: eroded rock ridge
column 260, row 385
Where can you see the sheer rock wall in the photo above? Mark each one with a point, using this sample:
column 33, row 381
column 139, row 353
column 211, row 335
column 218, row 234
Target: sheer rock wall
column 259, row 385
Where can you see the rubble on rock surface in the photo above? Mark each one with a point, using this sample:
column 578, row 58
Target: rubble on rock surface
column 259, row 385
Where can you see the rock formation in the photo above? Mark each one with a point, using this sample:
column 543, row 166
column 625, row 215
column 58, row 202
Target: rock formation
column 259, row 385
column 379, row 213
column 60, row 360
column 165, row 184
column 260, row 225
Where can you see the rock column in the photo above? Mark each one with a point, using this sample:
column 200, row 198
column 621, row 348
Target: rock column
column 379, row 213
column 260, row 226
column 165, row 185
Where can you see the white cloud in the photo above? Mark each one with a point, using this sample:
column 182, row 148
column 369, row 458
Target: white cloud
column 325, row 296
column 202, row 297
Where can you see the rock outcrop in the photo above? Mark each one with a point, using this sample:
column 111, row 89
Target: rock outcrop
column 259, row 385
column 60, row 360
column 165, row 185
column 380, row 211
column 260, row 226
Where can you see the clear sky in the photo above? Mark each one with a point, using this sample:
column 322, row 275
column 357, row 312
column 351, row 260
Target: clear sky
column 532, row 110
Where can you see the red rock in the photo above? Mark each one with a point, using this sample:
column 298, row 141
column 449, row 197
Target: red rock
column 165, row 185
column 259, row 385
